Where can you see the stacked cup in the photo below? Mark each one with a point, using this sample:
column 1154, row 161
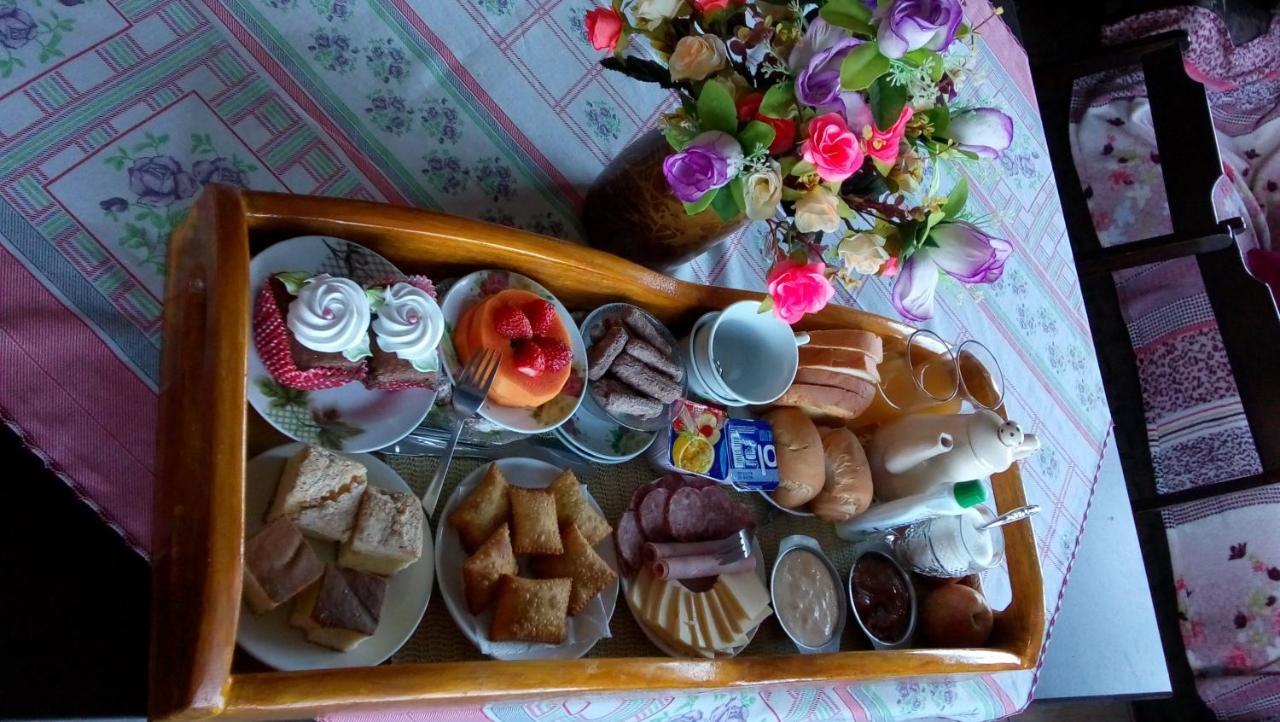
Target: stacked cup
column 740, row 356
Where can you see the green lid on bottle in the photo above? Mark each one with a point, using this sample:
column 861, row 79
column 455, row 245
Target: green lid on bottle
column 969, row 493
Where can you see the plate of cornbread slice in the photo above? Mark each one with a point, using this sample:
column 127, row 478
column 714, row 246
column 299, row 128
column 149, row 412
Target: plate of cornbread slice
column 338, row 559
column 527, row 562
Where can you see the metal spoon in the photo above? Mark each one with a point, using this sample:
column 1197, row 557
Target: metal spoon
column 1012, row 515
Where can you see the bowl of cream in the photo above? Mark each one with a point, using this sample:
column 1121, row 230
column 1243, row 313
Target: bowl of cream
column 806, row 595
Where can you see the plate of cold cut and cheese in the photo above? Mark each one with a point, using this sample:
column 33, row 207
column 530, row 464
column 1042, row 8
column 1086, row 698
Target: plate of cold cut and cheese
column 687, row 600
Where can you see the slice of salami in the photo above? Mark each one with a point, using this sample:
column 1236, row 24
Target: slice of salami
column 653, row 515
column 720, row 513
column 685, row 516
column 639, row 494
column 630, row 539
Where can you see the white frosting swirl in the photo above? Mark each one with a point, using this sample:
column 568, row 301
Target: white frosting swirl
column 330, row 315
column 409, row 323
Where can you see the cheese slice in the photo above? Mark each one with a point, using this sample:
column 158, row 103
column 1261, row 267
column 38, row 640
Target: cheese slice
column 662, row 596
column 639, row 590
column 715, row 628
column 743, row 594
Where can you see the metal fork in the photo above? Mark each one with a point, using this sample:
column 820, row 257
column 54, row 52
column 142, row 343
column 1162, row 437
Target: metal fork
column 468, row 394
column 735, row 548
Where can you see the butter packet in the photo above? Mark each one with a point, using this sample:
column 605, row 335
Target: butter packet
column 702, row 441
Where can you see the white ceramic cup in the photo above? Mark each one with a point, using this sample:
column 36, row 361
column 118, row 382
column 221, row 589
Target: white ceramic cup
column 751, row 356
column 694, row 374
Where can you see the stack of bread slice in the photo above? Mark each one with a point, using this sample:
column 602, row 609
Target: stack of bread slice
column 838, row 374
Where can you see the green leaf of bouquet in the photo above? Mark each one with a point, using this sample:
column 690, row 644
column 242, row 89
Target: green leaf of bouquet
column 918, row 58
column 886, row 100
column 756, row 135
column 716, row 110
column 728, row 202
column 677, row 136
column 940, row 118
column 849, row 14
column 803, row 168
column 956, row 199
column 779, row 101
column 967, row 154
column 862, row 66
column 766, row 305
column 701, row 204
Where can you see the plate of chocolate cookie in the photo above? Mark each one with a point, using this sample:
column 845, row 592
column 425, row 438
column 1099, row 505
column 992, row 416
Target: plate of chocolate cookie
column 633, row 373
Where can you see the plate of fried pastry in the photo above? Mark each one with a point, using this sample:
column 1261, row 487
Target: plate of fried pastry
column 338, row 559
column 527, row 562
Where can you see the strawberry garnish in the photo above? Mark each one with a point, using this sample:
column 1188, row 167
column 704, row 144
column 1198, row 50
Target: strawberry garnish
column 557, row 354
column 529, row 358
column 510, row 322
column 542, row 316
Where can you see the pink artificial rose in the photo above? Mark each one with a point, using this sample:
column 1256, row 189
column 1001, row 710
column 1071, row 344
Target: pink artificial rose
column 883, row 145
column 604, row 27
column 890, row 267
column 832, row 148
column 798, row 288
column 706, row 6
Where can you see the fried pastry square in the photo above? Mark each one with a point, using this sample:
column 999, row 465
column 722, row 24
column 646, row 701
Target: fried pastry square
column 530, row 610
column 533, row 522
column 483, row 511
column 573, row 508
column 482, row 570
column 581, row 564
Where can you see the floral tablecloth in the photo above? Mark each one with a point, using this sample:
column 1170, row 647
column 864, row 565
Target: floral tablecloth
column 113, row 113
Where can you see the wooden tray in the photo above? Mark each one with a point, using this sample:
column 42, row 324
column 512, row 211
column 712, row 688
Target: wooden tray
column 202, row 450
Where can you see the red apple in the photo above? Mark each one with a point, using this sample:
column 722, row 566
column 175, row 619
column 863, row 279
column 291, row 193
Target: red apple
column 955, row 616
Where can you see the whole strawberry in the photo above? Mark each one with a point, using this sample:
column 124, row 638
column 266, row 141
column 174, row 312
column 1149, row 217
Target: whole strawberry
column 542, row 316
column 510, row 322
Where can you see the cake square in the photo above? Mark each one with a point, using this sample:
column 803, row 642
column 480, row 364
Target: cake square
column 483, row 511
column 580, row 564
column 572, row 508
column 531, row 610
column 320, row 491
column 387, row 536
column 533, row 521
column 482, row 570
column 278, row 564
column 342, row 609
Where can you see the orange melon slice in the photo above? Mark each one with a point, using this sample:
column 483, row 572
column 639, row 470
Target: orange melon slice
column 510, row 387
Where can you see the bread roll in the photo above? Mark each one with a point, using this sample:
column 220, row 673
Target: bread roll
column 847, row 490
column 801, row 469
column 858, row 364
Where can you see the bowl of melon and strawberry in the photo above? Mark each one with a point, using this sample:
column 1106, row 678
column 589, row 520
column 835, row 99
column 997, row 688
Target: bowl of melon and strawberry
column 540, row 381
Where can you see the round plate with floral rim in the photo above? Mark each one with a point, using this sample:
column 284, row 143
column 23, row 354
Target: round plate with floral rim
column 474, row 288
column 603, row 440
column 350, row 417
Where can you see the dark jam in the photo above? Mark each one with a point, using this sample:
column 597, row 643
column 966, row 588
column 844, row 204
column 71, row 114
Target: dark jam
column 882, row 598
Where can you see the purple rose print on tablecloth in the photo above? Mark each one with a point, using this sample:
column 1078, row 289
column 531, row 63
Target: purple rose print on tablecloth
column 17, row 27
column 218, row 170
column 114, row 205
column 159, row 180
column 730, row 711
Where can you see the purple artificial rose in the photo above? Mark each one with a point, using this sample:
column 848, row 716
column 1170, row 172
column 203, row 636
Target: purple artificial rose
column 17, row 27
column 708, row 162
column 907, row 25
column 984, row 131
column 218, row 170
column 818, row 84
column 963, row 251
column 159, row 180
column 968, row 254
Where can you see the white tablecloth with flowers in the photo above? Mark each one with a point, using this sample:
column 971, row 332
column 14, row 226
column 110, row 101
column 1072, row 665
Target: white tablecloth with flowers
column 113, row 113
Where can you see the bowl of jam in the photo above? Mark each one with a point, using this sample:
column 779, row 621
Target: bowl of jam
column 883, row 599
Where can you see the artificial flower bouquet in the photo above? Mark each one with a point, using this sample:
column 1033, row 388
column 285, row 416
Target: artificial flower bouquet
column 819, row 118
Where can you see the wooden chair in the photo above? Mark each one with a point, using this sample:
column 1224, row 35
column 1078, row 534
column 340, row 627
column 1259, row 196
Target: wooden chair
column 1243, row 307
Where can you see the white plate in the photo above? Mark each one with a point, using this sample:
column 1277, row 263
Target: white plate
column 269, row 638
column 350, row 417
column 601, row 439
column 593, row 326
column 475, row 287
column 450, row 555
column 673, row 652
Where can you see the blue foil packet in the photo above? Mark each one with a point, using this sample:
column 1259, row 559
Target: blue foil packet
column 746, row 456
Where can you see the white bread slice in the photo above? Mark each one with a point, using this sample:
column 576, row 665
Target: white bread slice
column 828, row 401
column 388, row 533
column 858, row 364
column 321, row 492
column 849, row 339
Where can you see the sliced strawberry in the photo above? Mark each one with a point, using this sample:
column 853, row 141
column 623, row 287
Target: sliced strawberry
column 542, row 316
column 557, row 354
column 511, row 323
column 529, row 358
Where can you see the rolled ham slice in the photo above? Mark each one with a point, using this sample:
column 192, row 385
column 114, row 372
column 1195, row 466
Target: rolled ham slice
column 653, row 551
column 699, row 565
